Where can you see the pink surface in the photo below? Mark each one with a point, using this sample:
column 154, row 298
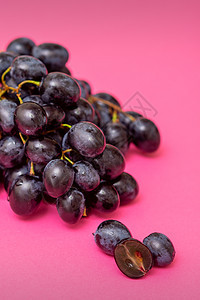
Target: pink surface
column 120, row 47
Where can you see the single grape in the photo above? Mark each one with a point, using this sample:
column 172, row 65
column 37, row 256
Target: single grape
column 107, row 97
column 87, row 139
column 11, row 152
column 126, row 120
column 60, row 89
column 30, row 118
column 109, row 233
column 27, row 68
column 71, row 206
column 33, row 98
column 110, row 164
column 133, row 258
column 82, row 111
column 65, row 70
column 25, row 195
column 40, row 150
column 145, row 134
column 21, row 46
column 161, row 248
column 85, row 176
column 58, row 177
column 7, row 109
column 6, row 59
column 127, row 187
column 116, row 135
column 12, row 174
column 54, row 56
column 55, row 116
column 104, row 198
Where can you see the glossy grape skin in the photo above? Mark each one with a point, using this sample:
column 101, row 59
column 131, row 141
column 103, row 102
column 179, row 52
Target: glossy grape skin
column 65, row 70
column 12, row 174
column 145, row 135
column 104, row 198
column 116, row 135
column 87, row 139
column 7, row 109
column 73, row 155
column 55, row 116
column 30, row 118
column 58, row 177
column 21, row 46
column 54, row 56
column 87, row 86
column 33, row 98
column 6, row 59
column 48, row 199
column 82, row 111
column 71, row 206
column 85, row 176
column 110, row 164
column 161, row 248
column 42, row 149
column 107, row 97
column 84, row 91
column 124, row 119
column 25, row 195
column 11, row 152
column 56, row 135
column 127, row 188
column 109, row 233
column 27, row 68
column 60, row 89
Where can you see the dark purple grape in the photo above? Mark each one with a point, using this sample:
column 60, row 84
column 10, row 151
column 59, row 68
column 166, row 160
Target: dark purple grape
column 82, row 111
column 126, row 120
column 7, row 109
column 54, row 56
column 116, row 135
column 11, row 152
column 73, row 155
column 58, row 177
column 71, row 206
column 107, row 97
column 133, row 258
column 21, row 46
column 110, row 164
column 109, row 233
column 55, row 116
column 48, row 199
column 33, row 98
column 56, row 135
column 145, row 135
column 87, row 87
column 65, row 70
column 97, row 118
column 87, row 139
column 25, row 195
column 84, row 91
column 42, row 149
column 12, row 174
column 126, row 187
column 30, row 118
column 85, row 176
column 104, row 198
column 60, row 89
column 27, row 68
column 161, row 248
column 6, row 59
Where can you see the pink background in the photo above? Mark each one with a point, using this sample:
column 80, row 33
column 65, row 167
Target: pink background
column 120, row 47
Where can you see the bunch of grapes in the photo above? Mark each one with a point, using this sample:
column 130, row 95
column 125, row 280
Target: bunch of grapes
column 59, row 142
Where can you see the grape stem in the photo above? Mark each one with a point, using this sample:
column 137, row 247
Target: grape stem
column 93, row 99
column 32, row 172
column 65, row 125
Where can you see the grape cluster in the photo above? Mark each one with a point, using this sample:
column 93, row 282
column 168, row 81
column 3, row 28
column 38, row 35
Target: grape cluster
column 59, row 142
column 132, row 257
